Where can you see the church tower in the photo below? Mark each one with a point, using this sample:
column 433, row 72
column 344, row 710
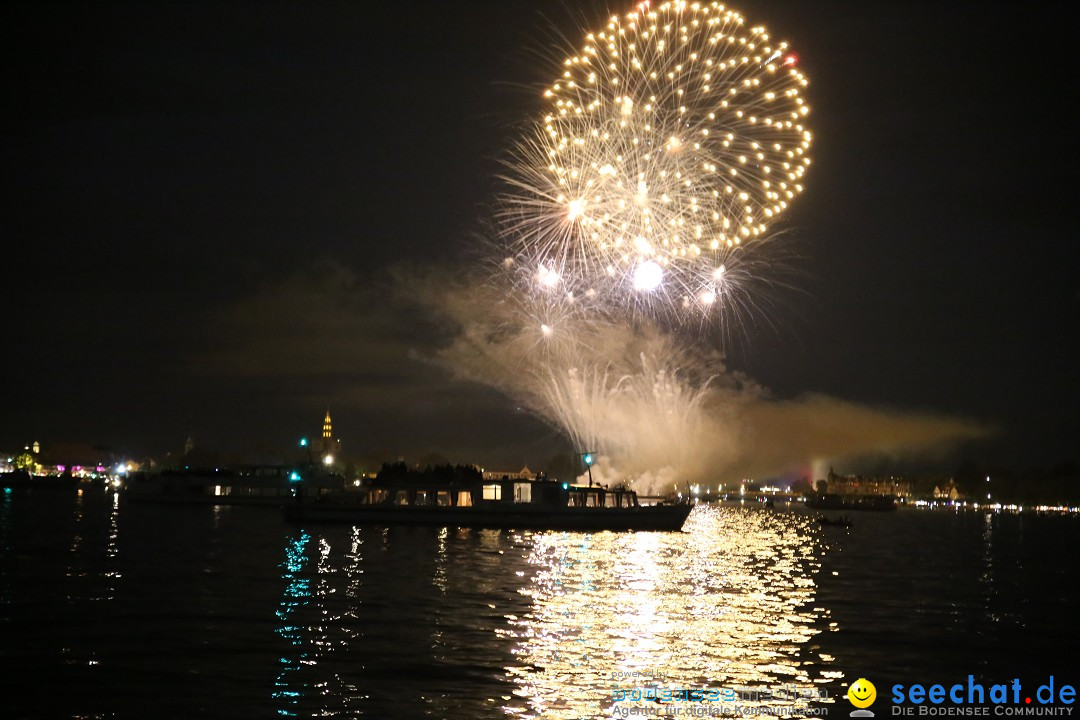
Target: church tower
column 327, row 432
column 330, row 446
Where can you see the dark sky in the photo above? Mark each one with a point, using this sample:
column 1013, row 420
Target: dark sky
column 204, row 198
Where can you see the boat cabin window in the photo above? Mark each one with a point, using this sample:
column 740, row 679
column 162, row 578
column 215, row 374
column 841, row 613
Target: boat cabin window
column 423, row 497
column 493, row 492
column 523, row 492
column 584, row 499
column 443, row 499
column 402, row 497
column 611, row 500
column 464, row 498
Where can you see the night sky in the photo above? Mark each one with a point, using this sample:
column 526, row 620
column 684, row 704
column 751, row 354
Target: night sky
column 205, row 202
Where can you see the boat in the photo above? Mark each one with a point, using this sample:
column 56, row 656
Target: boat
column 248, row 485
column 829, row 501
column 534, row 504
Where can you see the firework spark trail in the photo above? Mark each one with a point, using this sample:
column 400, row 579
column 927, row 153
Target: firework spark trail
column 664, row 152
column 651, row 413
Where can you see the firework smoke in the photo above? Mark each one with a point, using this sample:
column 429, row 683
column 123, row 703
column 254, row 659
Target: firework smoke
column 655, row 410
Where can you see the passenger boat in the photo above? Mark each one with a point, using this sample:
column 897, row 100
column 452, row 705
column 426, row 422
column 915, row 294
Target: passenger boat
column 539, row 504
column 249, row 485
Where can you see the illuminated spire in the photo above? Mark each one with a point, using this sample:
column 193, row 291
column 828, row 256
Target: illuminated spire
column 327, row 426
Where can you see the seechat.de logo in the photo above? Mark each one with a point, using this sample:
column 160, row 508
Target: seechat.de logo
column 862, row 694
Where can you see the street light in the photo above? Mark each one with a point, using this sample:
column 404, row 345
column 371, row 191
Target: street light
column 588, row 459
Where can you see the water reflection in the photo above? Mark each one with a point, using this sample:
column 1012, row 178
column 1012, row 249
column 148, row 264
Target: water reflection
column 318, row 619
column 354, row 559
column 6, row 501
column 260, row 617
column 111, row 572
column 76, row 535
column 986, row 577
column 93, row 562
column 729, row 604
column 296, row 594
column 440, row 580
column 457, row 622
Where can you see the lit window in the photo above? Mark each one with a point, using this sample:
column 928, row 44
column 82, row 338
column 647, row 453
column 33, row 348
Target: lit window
column 464, row 498
column 493, row 492
column 523, row 492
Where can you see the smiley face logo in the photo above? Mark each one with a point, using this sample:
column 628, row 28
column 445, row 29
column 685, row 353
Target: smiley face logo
column 862, row 693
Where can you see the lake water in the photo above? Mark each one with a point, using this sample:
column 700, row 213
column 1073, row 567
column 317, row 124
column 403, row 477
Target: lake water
column 114, row 608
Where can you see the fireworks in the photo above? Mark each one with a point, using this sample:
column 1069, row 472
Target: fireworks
column 667, row 147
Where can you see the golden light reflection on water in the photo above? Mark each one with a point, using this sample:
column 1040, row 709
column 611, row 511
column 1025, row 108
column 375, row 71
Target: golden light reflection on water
column 726, row 604
column 453, row 622
column 111, row 571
